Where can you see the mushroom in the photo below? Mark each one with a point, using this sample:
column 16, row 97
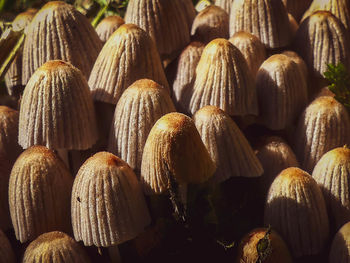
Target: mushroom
column 340, row 249
column 107, row 27
column 225, row 4
column 6, row 252
column 297, row 7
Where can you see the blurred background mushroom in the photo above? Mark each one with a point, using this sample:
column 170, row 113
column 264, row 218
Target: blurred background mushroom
column 107, row 27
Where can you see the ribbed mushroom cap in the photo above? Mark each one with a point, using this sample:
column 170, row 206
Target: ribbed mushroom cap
column 185, row 75
column 226, row 145
column 39, row 194
column 275, row 155
column 6, row 252
column 297, row 7
column 252, row 49
column 129, row 55
column 107, row 27
column 296, row 209
column 266, row 19
column 165, row 21
column 108, row 207
column 210, row 23
column 224, row 4
column 299, row 61
column 248, row 252
column 55, row 247
column 140, row 106
column 59, row 31
column 57, row 109
column 13, row 77
column 223, row 79
column 332, row 173
column 340, row 249
column 323, row 126
column 174, row 148
column 189, row 11
column 340, row 8
column 282, row 92
column 322, row 39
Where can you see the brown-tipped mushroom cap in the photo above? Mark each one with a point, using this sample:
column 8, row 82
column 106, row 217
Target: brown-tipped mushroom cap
column 55, row 247
column 297, row 7
column 39, row 194
column 108, row 206
column 299, row 61
column 140, row 106
column 296, row 209
column 59, row 31
column 174, row 148
column 165, row 21
column 248, row 251
column 266, row 19
column 225, row 4
column 210, row 23
column 323, row 126
column 6, row 252
column 224, row 80
column 129, row 55
column 252, row 49
column 282, row 92
column 340, row 249
column 107, row 27
column 57, row 109
column 226, row 145
column 332, row 173
column 322, row 39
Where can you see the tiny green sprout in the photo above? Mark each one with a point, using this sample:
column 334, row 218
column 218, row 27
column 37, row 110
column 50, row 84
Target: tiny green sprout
column 264, row 247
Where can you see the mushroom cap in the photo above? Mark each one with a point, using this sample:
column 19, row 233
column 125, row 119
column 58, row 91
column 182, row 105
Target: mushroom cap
column 39, row 194
column 296, row 209
column 55, row 247
column 282, row 92
column 57, row 109
column 340, row 249
column 107, row 27
column 266, row 19
column 174, row 148
column 129, row 55
column 6, row 252
column 224, row 80
column 59, row 31
column 224, row 4
column 139, row 107
column 226, row 144
column 297, row 7
column 108, row 207
column 189, row 11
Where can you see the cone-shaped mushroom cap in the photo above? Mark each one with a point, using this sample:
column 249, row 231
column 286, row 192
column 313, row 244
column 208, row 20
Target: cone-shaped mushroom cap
column 266, row 19
column 226, row 144
column 59, row 31
column 185, row 75
column 6, row 251
column 55, row 247
column 129, row 55
column 248, row 252
column 340, row 8
column 224, row 80
column 189, row 11
column 323, row 126
column 224, row 4
column 210, row 23
column 108, row 207
column 282, row 92
column 39, row 194
column 107, row 27
column 174, row 148
column 275, row 155
column 252, row 49
column 23, row 19
column 296, row 209
column 332, row 173
column 57, row 109
column 322, row 39
column 297, row 7
column 340, row 249
column 299, row 61
column 165, row 21
column 140, row 106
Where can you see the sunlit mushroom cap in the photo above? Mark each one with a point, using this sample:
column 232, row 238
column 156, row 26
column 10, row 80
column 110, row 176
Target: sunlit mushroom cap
column 59, row 31
column 224, row 4
column 340, row 249
column 39, row 194
column 226, row 145
column 6, row 252
column 108, row 206
column 129, row 55
column 174, row 148
column 107, row 27
column 296, row 209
